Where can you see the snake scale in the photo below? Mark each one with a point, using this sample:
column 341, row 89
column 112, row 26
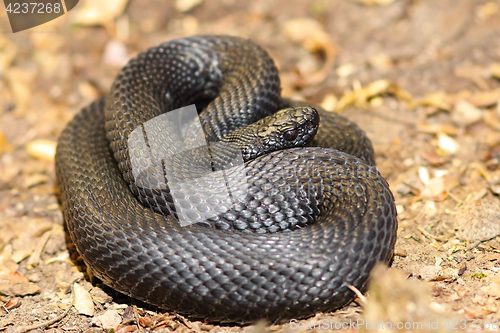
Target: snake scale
column 315, row 218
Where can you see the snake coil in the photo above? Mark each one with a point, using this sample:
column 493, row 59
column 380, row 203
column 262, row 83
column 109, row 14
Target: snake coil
column 315, row 218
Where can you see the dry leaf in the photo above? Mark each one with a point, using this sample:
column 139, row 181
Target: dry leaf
column 440, row 100
column 313, row 37
column 437, row 128
column 34, row 180
column 494, row 70
column 374, row 2
column 346, row 70
column 109, row 320
column 380, row 61
column 447, row 144
column 465, row 113
column 42, row 149
column 83, row 300
column 487, row 10
column 16, row 284
column 8, row 52
column 476, row 74
column 20, row 82
column 27, row 239
column 485, row 98
column 4, row 145
column 186, row 5
column 329, row 102
column 98, row 12
column 491, row 119
column 424, row 175
column 493, row 139
column 37, row 252
column 88, row 91
column 433, row 188
column 361, row 95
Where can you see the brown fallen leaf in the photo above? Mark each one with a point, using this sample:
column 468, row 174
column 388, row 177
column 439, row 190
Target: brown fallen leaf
column 23, row 289
column 465, row 113
column 476, row 74
column 20, row 83
column 448, row 274
column 346, row 70
column 447, row 144
column 34, row 180
column 160, row 320
column 491, row 119
column 98, row 12
column 374, row 2
column 487, row 10
column 186, row 5
column 493, row 139
column 27, row 241
column 86, row 89
column 437, row 128
column 380, row 61
column 7, row 54
column 494, row 70
column 108, row 320
column 311, row 35
column 329, row 102
column 361, row 95
column 13, row 303
column 83, row 300
column 35, row 256
column 485, row 98
column 17, row 284
column 42, row 149
column 4, row 145
column 438, row 99
column 433, row 158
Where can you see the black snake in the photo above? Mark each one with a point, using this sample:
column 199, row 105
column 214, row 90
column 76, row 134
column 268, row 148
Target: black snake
column 313, row 219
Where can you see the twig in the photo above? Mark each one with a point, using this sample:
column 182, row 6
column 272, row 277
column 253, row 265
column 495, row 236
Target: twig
column 472, row 246
column 455, row 198
column 358, row 293
column 22, row 329
column 429, row 235
column 35, row 257
column 183, row 320
column 136, row 316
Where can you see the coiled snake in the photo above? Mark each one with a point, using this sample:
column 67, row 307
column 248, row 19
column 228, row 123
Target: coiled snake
column 311, row 221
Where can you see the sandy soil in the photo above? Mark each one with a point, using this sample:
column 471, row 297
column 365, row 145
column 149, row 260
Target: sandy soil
column 420, row 77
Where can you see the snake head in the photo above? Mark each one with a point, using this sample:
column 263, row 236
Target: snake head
column 287, row 128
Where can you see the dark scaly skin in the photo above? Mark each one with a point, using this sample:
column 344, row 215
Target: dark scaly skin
column 340, row 209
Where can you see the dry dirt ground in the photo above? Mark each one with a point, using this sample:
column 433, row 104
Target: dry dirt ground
column 421, row 77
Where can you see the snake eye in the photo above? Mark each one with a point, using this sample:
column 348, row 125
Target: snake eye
column 290, row 135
